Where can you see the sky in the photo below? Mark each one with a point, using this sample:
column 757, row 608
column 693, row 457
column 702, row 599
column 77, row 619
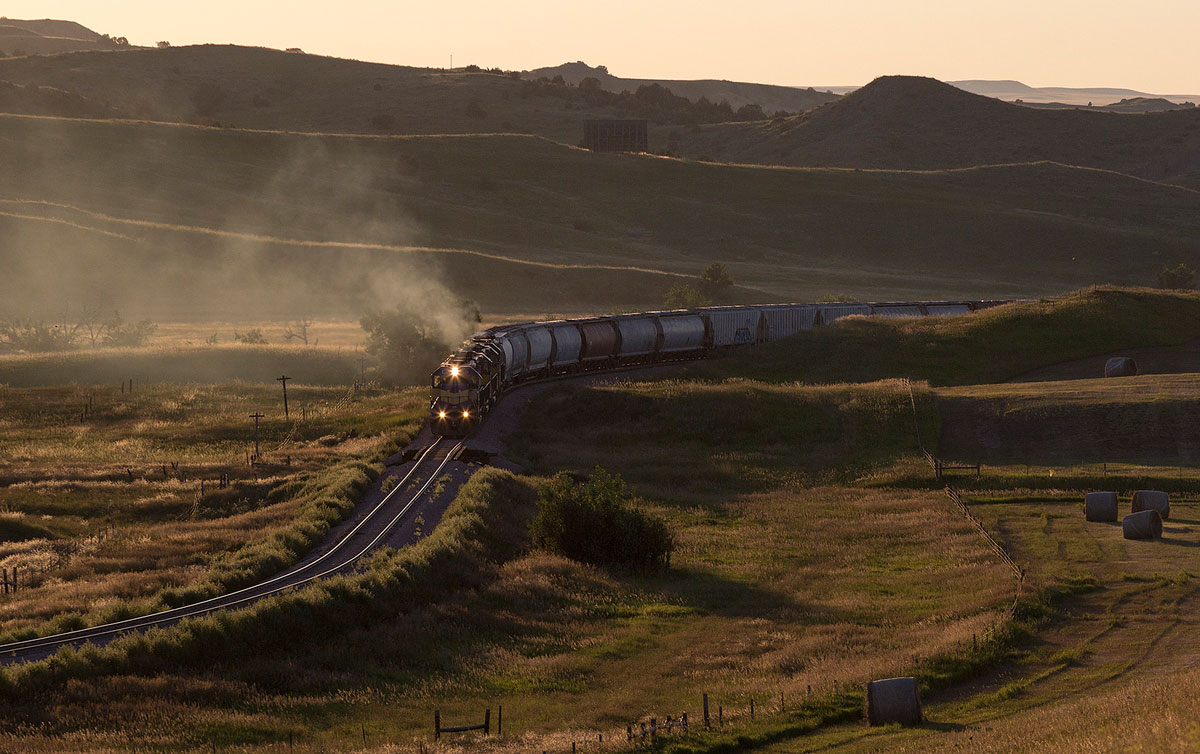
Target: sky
column 1149, row 45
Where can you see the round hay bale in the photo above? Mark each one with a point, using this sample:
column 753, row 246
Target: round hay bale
column 1120, row 366
column 1142, row 525
column 1100, row 506
column 1152, row 500
column 894, row 700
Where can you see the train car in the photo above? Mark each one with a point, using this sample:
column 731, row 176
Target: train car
column 830, row 312
column 541, row 349
column 639, row 336
column 601, row 342
column 735, row 325
column 568, row 345
column 947, row 308
column 897, row 310
column 683, row 335
column 788, row 319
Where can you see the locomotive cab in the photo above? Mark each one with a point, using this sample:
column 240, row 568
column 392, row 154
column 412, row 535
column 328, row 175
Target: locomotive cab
column 454, row 398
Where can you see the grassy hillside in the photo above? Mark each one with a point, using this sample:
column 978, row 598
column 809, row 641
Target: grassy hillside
column 229, row 220
column 918, row 123
column 47, row 36
column 988, row 346
column 250, row 87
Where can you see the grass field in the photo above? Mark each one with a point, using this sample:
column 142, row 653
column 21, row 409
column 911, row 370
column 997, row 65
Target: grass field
column 278, row 225
column 103, row 505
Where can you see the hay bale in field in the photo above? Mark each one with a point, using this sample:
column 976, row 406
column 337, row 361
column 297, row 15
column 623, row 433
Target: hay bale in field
column 1100, row 506
column 894, row 700
column 1152, row 500
column 1120, row 366
column 1142, row 525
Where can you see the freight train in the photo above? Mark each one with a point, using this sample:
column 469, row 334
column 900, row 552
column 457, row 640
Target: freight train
column 470, row 382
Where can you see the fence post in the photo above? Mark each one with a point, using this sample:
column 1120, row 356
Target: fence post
column 782, row 707
column 751, row 708
column 685, row 725
column 487, row 722
column 706, row 726
column 500, row 720
column 628, row 732
column 720, row 716
column 437, row 725
column 653, row 726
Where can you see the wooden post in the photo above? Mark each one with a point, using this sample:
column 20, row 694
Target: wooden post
column 364, row 733
column 572, row 747
column 500, row 720
column 706, row 725
column 14, row 578
column 487, row 722
column 685, row 721
column 6, row 581
column 751, row 708
column 628, row 732
column 782, row 706
column 653, row 726
column 284, row 379
column 437, row 725
column 720, row 716
column 255, row 416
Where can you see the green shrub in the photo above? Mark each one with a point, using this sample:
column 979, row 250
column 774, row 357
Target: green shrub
column 595, row 522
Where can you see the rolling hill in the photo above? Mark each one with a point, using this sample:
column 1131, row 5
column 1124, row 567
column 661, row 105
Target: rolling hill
column 44, row 36
column 213, row 220
column 903, row 122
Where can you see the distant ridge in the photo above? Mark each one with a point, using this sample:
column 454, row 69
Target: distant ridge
column 1097, row 96
column 44, row 36
column 907, row 122
column 770, row 97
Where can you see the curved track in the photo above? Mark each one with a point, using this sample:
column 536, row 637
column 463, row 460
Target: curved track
column 356, row 541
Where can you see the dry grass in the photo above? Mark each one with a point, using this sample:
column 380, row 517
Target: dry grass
column 104, row 512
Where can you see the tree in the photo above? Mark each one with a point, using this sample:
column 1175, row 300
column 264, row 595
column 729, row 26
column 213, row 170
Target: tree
column 27, row 335
column 1181, row 277
column 163, row 44
column 409, row 344
column 684, row 296
column 298, row 330
column 715, row 281
column 595, row 521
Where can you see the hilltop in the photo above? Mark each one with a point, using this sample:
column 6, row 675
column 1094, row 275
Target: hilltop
column 770, row 97
column 904, row 122
column 46, row 36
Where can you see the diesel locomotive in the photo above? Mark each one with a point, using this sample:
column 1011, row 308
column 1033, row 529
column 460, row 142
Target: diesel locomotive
column 470, row 382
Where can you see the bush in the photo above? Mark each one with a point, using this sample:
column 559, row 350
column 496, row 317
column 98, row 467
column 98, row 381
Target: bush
column 1178, row 278
column 684, row 296
column 595, row 522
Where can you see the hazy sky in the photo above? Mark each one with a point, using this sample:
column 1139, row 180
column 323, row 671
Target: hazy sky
column 1151, row 45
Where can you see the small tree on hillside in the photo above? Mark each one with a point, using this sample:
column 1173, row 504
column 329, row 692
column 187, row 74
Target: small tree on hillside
column 684, row 296
column 715, row 281
column 596, row 522
column 1181, row 277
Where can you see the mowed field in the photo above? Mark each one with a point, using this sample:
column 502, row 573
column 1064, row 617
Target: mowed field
column 815, row 551
column 206, row 223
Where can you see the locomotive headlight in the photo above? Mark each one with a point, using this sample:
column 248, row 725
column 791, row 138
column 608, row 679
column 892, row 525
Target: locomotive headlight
column 453, row 371
column 441, row 414
column 466, row 414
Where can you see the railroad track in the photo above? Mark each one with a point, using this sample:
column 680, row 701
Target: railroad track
column 356, row 541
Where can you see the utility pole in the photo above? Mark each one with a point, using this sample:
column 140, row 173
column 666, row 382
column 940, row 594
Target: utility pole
column 284, row 380
column 256, row 416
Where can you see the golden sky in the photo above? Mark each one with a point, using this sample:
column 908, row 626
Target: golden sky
column 1149, row 45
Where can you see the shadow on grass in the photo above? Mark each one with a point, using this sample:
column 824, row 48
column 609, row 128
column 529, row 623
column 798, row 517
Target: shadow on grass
column 709, row 593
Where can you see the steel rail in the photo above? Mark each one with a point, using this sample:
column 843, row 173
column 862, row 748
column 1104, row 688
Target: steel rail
column 292, row 577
